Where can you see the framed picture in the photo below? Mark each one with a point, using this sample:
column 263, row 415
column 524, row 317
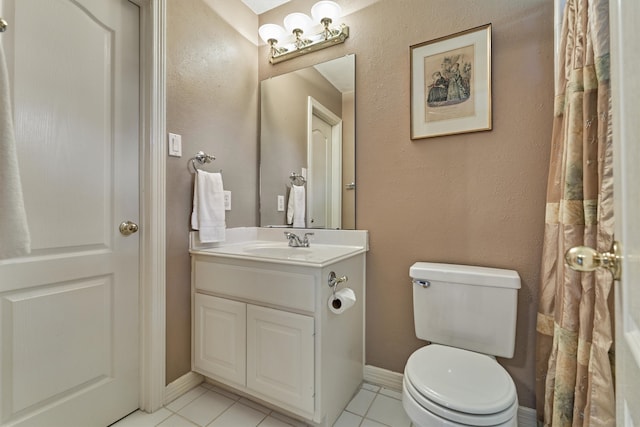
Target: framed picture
column 451, row 84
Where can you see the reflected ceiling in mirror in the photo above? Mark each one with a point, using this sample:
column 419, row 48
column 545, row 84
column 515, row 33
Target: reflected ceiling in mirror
column 307, row 127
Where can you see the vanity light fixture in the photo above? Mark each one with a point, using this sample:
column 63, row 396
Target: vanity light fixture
column 303, row 39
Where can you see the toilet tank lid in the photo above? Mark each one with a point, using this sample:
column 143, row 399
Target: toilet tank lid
column 466, row 274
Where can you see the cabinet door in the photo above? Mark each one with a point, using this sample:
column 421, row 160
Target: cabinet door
column 280, row 356
column 220, row 338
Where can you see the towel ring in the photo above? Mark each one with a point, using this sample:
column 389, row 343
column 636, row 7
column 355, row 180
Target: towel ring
column 202, row 158
column 297, row 179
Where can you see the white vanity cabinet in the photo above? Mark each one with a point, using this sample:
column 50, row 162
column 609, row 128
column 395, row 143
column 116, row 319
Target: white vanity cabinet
column 280, row 355
column 264, row 329
column 268, row 351
column 220, row 338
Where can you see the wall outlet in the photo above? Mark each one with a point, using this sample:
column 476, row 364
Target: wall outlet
column 280, row 203
column 227, row 200
column 175, row 145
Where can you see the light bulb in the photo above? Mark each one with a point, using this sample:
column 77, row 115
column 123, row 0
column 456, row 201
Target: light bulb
column 297, row 21
column 271, row 32
column 325, row 9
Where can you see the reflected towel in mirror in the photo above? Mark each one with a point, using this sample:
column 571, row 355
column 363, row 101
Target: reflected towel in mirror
column 296, row 206
column 208, row 214
column 15, row 239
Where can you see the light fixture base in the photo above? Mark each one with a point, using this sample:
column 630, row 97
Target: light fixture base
column 338, row 36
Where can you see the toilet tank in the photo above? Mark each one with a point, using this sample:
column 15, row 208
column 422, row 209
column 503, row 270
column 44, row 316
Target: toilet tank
column 468, row 307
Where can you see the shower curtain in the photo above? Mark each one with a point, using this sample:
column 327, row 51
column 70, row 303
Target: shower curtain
column 574, row 371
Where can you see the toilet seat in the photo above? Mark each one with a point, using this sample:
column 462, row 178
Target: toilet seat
column 461, row 386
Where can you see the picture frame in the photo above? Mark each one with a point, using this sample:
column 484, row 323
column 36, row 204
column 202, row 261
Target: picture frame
column 451, row 84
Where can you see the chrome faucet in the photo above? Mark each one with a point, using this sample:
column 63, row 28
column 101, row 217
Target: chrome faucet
column 296, row 242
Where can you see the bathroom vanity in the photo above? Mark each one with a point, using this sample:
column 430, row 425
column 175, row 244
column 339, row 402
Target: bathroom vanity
column 262, row 323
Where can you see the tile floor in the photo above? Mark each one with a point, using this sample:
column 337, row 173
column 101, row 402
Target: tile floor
column 210, row 406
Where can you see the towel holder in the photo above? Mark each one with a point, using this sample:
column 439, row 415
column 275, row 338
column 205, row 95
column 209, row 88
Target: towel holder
column 297, row 179
column 202, row 158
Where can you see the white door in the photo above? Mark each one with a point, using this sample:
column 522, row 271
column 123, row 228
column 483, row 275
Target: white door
column 319, row 203
column 69, row 311
column 324, row 163
column 220, row 338
column 625, row 56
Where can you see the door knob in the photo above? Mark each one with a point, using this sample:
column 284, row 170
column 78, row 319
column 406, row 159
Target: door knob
column 128, row 227
column 584, row 258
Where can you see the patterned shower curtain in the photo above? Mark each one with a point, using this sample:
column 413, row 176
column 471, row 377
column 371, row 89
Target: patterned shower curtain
column 574, row 360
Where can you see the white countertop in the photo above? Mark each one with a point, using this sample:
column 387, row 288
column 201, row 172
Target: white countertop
column 270, row 245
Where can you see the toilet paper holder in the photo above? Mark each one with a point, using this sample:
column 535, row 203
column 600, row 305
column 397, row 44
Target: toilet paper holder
column 334, row 281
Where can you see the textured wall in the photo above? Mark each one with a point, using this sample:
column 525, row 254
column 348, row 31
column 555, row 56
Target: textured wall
column 212, row 101
column 475, row 198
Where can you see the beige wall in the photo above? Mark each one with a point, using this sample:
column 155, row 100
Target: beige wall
column 475, row 198
column 212, row 101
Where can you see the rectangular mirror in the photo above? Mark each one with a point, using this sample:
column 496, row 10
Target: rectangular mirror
column 307, row 127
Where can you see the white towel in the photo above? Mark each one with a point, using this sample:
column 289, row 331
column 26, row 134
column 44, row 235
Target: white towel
column 296, row 206
column 208, row 207
column 14, row 233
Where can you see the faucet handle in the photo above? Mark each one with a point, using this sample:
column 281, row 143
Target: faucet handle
column 309, row 234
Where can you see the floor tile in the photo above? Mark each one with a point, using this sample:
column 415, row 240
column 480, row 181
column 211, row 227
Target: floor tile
column 361, row 402
column 186, row 398
column 222, row 391
column 389, row 411
column 347, row 419
column 142, row 419
column 371, row 423
column 239, row 415
column 206, row 408
column 371, row 387
column 273, row 422
column 391, row 393
column 254, row 405
column 288, row 420
column 176, row 421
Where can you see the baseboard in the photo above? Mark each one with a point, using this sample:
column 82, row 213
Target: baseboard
column 393, row 380
column 527, row 417
column 182, row 385
column 383, row 377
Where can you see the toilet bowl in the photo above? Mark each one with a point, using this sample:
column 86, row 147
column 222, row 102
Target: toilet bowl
column 446, row 386
column 469, row 314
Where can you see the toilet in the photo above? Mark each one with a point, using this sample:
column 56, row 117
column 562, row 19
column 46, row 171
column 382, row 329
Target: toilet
column 468, row 314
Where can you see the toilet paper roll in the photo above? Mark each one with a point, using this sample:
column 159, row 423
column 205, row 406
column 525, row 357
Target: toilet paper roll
column 342, row 300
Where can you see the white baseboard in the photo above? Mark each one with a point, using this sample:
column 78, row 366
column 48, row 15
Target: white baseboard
column 383, row 377
column 393, row 380
column 527, row 417
column 182, row 385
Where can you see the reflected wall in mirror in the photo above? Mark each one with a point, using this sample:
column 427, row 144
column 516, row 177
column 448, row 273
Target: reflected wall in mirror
column 307, row 127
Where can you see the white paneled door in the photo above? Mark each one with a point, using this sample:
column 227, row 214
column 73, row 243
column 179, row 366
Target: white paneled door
column 69, row 311
column 625, row 57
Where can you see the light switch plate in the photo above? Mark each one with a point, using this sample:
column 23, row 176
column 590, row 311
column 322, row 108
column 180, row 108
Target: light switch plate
column 280, row 203
column 227, row 200
column 175, row 145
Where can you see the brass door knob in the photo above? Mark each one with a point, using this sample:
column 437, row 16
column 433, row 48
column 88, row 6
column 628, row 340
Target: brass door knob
column 584, row 258
column 128, row 227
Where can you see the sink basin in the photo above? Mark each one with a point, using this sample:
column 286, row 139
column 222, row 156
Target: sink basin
column 271, row 245
column 277, row 250
column 280, row 252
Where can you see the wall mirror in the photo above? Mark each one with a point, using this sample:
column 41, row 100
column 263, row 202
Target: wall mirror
column 307, row 128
